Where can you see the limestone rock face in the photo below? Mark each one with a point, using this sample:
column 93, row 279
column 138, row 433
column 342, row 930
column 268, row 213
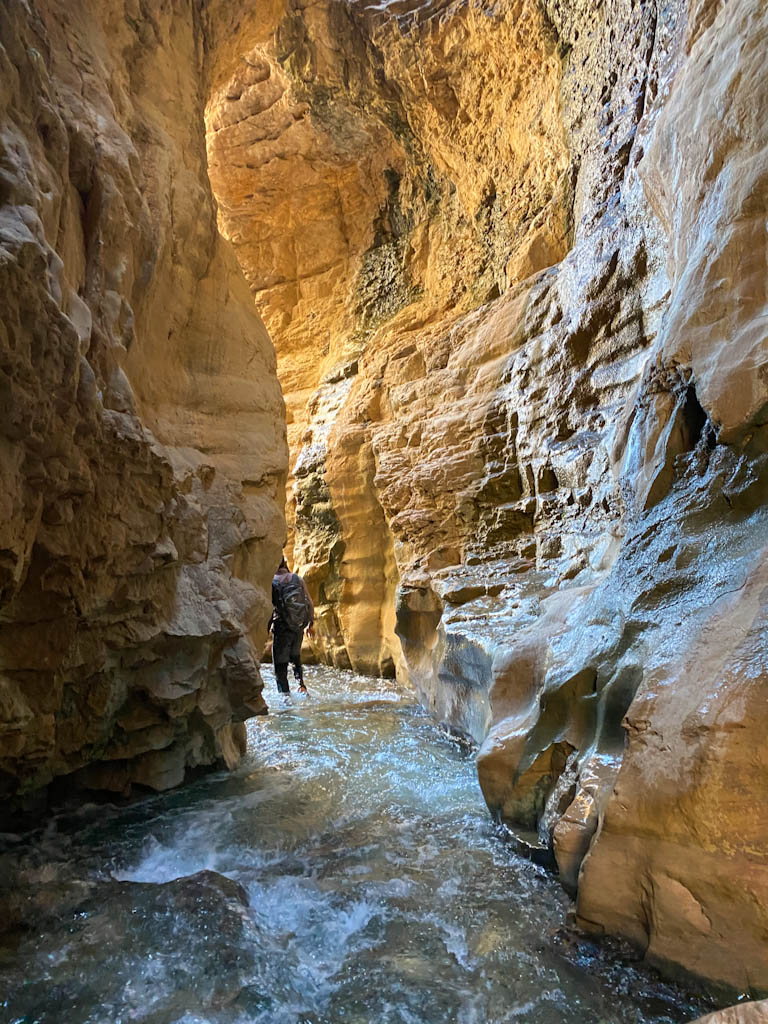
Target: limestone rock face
column 400, row 214
column 142, row 447
column 514, row 263
column 745, row 1013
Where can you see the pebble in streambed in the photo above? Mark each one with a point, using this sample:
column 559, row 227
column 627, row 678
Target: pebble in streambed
column 348, row 872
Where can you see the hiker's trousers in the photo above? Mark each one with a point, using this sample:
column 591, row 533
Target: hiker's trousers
column 286, row 647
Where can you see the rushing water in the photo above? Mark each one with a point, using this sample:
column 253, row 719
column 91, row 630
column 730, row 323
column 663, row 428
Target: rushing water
column 377, row 891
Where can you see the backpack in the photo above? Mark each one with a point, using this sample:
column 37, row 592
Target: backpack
column 290, row 601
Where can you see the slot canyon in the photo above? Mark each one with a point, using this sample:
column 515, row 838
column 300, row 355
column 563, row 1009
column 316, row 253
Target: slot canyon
column 464, row 307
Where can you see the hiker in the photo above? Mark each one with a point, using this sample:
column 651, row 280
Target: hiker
column 293, row 612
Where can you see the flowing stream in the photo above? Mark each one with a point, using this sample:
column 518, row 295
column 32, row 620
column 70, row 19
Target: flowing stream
column 348, row 872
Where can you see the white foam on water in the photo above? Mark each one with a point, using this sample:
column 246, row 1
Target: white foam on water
column 454, row 937
column 307, row 935
column 520, row 1008
column 162, row 863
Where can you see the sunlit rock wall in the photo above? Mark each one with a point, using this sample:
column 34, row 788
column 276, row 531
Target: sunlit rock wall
column 514, row 262
column 371, row 205
column 142, row 439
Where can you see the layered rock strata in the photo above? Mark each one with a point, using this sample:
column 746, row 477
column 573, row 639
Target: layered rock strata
column 366, row 202
column 514, row 262
column 142, row 445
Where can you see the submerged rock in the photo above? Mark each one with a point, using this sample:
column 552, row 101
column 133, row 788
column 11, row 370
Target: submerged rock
column 189, row 940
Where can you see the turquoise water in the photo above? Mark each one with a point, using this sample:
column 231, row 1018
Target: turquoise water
column 370, row 887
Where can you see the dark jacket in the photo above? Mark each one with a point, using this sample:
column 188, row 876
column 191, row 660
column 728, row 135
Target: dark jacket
column 274, row 622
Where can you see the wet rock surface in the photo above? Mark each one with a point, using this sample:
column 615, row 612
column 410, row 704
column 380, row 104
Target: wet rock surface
column 113, row 929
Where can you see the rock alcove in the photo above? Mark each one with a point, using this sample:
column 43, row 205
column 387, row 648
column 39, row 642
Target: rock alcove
column 513, row 262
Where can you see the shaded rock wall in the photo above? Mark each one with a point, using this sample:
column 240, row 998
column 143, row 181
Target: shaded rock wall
column 142, row 441
column 514, row 261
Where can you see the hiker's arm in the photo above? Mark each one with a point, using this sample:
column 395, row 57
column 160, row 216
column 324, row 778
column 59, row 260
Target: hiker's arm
column 273, row 616
column 311, row 609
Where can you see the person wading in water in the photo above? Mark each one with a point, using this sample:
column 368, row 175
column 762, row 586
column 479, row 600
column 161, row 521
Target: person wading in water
column 293, row 612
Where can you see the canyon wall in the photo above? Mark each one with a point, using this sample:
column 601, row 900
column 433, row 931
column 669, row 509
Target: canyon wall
column 513, row 259
column 142, row 439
